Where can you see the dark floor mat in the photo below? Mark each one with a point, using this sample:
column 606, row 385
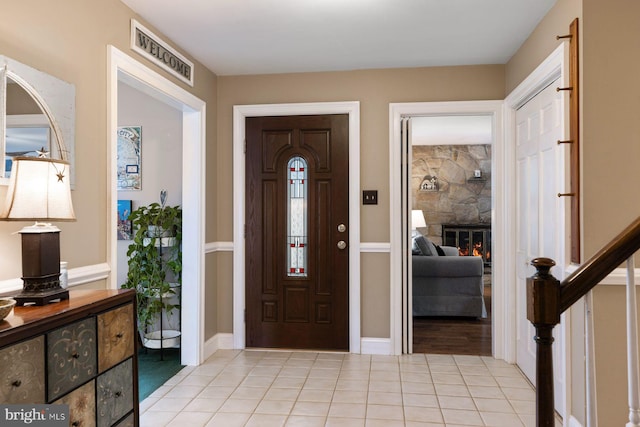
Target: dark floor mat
column 153, row 372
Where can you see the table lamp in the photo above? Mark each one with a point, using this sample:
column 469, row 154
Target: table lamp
column 417, row 220
column 39, row 190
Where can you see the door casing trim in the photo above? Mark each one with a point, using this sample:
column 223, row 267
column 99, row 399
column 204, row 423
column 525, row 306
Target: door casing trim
column 553, row 67
column 240, row 113
column 122, row 67
column 499, row 222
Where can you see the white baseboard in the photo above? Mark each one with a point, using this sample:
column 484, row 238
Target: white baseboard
column 224, row 341
column 381, row 346
column 219, row 341
column 573, row 422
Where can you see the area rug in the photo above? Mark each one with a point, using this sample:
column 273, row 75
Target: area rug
column 153, row 372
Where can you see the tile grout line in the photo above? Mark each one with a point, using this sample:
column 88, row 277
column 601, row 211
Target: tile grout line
column 248, row 366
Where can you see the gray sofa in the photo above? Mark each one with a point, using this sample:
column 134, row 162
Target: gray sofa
column 446, row 284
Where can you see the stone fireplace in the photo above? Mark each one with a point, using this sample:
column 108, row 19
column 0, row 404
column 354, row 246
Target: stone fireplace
column 451, row 184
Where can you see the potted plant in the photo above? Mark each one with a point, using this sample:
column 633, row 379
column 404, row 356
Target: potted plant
column 155, row 265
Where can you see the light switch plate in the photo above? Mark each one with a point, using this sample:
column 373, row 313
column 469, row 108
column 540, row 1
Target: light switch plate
column 370, row 197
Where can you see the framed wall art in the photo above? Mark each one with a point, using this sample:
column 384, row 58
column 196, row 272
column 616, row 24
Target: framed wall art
column 129, row 160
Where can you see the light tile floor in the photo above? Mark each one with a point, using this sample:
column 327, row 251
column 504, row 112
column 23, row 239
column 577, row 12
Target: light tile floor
column 265, row 388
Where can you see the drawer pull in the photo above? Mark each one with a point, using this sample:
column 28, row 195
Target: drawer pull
column 75, row 355
column 16, row 383
column 119, row 335
column 118, row 393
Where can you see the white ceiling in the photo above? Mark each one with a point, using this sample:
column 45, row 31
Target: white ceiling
column 233, row 37
column 451, row 130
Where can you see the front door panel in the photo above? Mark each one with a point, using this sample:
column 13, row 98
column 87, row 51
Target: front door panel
column 297, row 258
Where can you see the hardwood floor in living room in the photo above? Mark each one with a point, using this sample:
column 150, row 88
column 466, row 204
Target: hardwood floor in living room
column 455, row 335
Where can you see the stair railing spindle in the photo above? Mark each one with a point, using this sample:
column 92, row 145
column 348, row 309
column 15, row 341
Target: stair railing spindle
column 632, row 347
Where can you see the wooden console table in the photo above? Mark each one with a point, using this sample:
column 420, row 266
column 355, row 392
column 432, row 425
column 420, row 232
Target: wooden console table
column 80, row 352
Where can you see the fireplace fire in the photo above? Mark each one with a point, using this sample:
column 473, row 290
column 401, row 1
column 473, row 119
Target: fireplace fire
column 477, row 251
column 471, row 240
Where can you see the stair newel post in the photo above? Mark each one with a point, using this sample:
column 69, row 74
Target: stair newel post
column 543, row 311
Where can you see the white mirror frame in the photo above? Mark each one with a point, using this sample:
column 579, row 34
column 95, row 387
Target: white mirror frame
column 56, row 99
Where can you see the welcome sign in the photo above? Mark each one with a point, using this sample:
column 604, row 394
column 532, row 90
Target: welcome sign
column 146, row 43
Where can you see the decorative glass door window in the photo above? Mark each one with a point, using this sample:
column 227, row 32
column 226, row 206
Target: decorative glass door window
column 297, row 214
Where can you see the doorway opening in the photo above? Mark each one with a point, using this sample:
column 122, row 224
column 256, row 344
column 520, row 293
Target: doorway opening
column 190, row 112
column 400, row 196
column 451, row 207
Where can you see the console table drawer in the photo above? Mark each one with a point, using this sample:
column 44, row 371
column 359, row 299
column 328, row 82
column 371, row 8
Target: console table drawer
column 79, row 352
column 115, row 335
column 82, row 405
column 22, row 372
column 115, row 394
column 71, row 356
column 130, row 421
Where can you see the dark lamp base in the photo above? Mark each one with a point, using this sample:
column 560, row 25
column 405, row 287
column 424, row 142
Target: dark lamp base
column 41, row 297
column 40, row 267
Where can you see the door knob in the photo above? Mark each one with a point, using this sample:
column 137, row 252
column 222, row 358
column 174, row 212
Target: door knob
column 342, row 244
column 342, row 228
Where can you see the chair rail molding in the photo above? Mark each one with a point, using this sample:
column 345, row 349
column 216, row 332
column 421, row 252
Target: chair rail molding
column 77, row 276
column 211, row 247
column 375, row 247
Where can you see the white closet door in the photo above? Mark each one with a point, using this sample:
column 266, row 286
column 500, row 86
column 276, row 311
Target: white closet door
column 539, row 126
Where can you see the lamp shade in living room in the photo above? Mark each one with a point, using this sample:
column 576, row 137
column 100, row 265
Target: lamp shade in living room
column 417, row 219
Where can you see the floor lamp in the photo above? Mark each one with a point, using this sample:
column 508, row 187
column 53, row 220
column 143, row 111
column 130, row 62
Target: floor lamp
column 39, row 190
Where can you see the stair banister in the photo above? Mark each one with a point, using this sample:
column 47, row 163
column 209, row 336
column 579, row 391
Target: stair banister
column 593, row 271
column 547, row 299
column 543, row 302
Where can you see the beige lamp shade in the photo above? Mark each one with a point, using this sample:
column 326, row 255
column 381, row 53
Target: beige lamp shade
column 39, row 190
column 417, row 219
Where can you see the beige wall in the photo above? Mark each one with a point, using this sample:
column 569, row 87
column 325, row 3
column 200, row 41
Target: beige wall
column 68, row 39
column 610, row 66
column 540, row 44
column 611, row 147
column 542, row 41
column 63, row 39
column 374, row 89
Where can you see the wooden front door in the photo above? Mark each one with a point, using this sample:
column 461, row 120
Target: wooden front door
column 297, row 212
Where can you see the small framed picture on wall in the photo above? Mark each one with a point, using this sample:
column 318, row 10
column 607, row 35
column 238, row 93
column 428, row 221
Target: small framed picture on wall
column 125, row 230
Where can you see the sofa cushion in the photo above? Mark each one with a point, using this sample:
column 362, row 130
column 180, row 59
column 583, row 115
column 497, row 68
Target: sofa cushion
column 450, row 251
column 447, row 266
column 415, row 250
column 425, row 246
